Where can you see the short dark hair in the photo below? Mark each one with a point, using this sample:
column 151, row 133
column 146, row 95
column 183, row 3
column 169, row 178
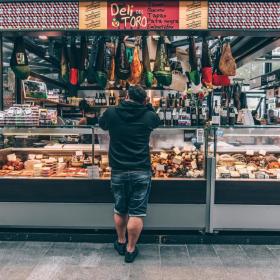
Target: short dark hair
column 137, row 94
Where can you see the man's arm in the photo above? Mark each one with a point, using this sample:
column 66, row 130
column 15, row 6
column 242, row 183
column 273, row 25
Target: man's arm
column 103, row 121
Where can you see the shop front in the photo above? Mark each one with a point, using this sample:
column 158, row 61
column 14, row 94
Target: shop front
column 65, row 62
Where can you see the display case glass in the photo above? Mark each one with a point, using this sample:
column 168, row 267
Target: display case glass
column 176, row 153
column 251, row 153
column 46, row 152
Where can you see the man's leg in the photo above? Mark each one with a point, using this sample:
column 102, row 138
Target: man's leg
column 134, row 228
column 121, row 223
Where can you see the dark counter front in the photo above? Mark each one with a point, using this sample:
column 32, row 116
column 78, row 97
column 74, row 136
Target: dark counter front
column 248, row 192
column 96, row 191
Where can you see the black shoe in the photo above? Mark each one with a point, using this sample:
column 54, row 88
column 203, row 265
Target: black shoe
column 130, row 257
column 120, row 247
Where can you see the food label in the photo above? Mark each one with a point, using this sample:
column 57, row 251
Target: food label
column 60, row 160
column 79, row 153
column 160, row 167
column 249, row 152
column 12, row 157
column 177, row 160
column 161, row 115
column 216, row 120
column 168, row 116
column 200, row 135
column 262, row 152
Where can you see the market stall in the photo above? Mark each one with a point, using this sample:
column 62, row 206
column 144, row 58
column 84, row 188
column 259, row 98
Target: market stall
column 63, row 69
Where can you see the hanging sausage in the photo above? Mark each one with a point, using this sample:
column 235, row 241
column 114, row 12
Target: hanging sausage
column 83, row 60
column 136, row 67
column 206, row 64
column 148, row 76
column 92, row 61
column 112, row 65
column 100, row 69
column 122, row 64
column 64, row 61
column 73, row 60
column 193, row 74
column 162, row 70
column 19, row 60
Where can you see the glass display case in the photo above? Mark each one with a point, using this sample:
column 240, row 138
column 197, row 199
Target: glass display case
column 46, row 152
column 176, row 153
column 251, row 153
column 57, row 168
column 245, row 182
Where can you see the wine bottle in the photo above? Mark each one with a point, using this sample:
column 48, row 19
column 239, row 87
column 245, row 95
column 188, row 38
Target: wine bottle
column 96, row 99
column 216, row 119
column 175, row 114
column 194, row 115
column 224, row 115
column 168, row 114
column 160, row 113
column 232, row 116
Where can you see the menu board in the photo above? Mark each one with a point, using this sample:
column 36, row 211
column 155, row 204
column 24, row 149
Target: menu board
column 193, row 14
column 92, row 15
column 163, row 15
column 143, row 15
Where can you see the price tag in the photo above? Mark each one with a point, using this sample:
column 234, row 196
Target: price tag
column 177, row 160
column 79, row 153
column 160, row 167
column 60, row 159
column 262, row 152
column 249, row 152
column 200, row 136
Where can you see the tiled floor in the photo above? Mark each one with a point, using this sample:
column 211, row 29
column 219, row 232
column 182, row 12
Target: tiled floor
column 80, row 261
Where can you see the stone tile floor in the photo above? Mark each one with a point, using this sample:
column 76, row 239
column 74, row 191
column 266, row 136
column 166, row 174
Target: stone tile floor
column 81, row 261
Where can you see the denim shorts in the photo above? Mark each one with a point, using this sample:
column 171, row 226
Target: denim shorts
column 131, row 190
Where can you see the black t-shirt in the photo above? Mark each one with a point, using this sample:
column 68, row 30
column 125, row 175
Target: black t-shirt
column 130, row 125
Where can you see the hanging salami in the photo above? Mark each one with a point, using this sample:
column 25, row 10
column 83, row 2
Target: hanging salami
column 162, row 70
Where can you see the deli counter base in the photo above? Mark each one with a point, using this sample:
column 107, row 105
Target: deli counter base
column 97, row 216
column 245, row 217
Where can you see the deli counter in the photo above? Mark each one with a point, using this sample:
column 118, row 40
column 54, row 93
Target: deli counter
column 209, row 179
column 54, row 177
column 245, row 178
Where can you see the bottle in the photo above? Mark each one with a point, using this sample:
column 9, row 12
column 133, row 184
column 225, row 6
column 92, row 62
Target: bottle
column 96, row 99
column 175, row 114
column 232, row 115
column 201, row 119
column 168, row 114
column 103, row 100
column 160, row 113
column 182, row 114
column 224, row 115
column 194, row 117
column 216, row 119
column 113, row 99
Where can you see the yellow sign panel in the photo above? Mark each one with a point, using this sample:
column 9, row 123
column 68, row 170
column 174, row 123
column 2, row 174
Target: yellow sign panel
column 193, row 14
column 92, row 15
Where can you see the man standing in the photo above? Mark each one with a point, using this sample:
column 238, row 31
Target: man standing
column 130, row 125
